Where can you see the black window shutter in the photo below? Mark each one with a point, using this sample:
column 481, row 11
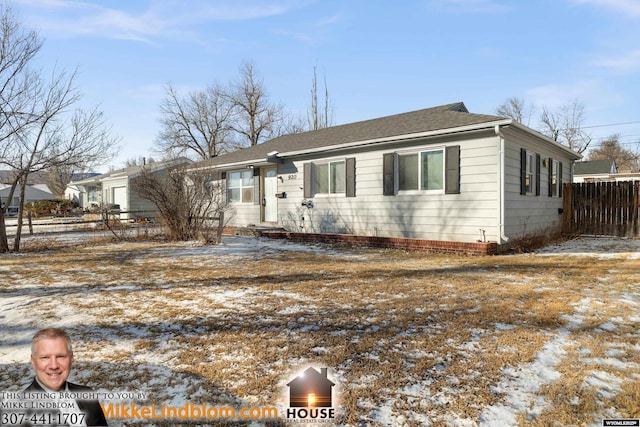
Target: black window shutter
column 388, row 174
column 452, row 170
column 560, row 178
column 551, row 176
column 307, row 171
column 223, row 177
column 523, row 171
column 256, row 186
column 350, row 166
column 537, row 174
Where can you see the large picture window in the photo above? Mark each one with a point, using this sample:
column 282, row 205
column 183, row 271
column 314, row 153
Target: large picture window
column 240, row 186
column 433, row 170
column 421, row 171
column 329, row 178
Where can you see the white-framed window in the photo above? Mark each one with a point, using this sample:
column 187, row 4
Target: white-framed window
column 329, row 177
column 530, row 182
column 421, row 171
column 555, row 179
column 240, row 186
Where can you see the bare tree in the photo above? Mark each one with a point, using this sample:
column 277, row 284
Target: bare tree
column 191, row 203
column 18, row 47
column 59, row 138
column 516, row 109
column 38, row 129
column 139, row 161
column 319, row 118
column 58, row 177
column 256, row 118
column 199, row 123
column 566, row 126
column 610, row 148
column 290, row 124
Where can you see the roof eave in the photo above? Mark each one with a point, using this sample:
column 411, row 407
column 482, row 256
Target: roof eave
column 396, row 138
column 537, row 134
column 232, row 165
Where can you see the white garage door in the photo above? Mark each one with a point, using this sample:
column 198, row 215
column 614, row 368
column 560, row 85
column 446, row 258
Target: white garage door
column 120, row 197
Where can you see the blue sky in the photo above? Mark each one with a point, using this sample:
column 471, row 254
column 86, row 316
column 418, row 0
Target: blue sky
column 378, row 57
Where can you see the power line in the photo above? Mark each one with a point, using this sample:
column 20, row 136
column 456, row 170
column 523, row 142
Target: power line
column 610, row 124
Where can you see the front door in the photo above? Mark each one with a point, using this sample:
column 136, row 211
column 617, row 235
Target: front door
column 269, row 200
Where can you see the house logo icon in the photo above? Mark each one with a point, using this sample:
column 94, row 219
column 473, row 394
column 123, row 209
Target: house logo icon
column 311, row 392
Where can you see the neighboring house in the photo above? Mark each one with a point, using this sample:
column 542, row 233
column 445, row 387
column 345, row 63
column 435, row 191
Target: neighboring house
column 439, row 174
column 114, row 188
column 594, row 170
column 35, row 190
column 31, row 194
column 74, row 192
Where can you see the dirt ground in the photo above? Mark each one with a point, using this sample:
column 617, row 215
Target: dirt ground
column 540, row 339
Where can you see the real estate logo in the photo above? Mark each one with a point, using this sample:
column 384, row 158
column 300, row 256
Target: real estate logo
column 311, row 396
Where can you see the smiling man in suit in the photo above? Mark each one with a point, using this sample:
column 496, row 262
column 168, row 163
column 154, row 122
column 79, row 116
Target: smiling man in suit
column 52, row 358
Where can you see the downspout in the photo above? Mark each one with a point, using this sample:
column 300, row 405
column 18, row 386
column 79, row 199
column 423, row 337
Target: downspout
column 501, row 238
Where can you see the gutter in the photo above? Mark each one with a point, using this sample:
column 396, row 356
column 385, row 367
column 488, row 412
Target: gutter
column 501, row 238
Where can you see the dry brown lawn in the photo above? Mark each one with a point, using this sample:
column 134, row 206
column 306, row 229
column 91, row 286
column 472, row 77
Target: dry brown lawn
column 410, row 338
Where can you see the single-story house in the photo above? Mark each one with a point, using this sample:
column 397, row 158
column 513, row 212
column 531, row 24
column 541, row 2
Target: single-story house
column 35, row 190
column 73, row 192
column 594, row 170
column 32, row 193
column 439, row 174
column 114, row 188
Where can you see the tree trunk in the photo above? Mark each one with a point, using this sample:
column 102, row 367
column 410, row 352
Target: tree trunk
column 23, row 187
column 4, row 241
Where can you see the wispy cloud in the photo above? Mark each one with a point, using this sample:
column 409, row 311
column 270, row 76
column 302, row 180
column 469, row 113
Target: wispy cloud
column 312, row 31
column 627, row 63
column 470, row 6
column 627, row 7
column 164, row 18
column 591, row 92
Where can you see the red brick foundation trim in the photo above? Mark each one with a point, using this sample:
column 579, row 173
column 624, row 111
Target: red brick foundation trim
column 471, row 248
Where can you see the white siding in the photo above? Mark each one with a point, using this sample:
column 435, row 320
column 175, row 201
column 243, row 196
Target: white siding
column 527, row 214
column 454, row 217
column 472, row 215
column 244, row 214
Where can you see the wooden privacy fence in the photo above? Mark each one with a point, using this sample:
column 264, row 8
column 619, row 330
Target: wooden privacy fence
column 605, row 208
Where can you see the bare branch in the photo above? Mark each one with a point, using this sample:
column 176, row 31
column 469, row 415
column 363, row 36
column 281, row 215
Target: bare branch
column 516, row 109
column 256, row 117
column 198, row 124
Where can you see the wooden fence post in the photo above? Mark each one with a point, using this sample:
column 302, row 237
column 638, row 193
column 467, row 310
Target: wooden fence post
column 567, row 208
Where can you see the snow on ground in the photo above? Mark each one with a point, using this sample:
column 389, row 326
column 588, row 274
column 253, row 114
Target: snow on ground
column 520, row 384
column 593, row 246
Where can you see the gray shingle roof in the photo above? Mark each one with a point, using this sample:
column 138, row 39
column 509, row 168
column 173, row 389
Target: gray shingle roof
column 430, row 119
column 594, row 167
column 133, row 170
column 8, row 176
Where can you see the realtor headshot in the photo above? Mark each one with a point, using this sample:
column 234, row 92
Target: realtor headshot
column 52, row 360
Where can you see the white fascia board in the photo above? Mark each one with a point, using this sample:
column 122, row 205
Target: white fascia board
column 234, row 165
column 530, row 131
column 405, row 137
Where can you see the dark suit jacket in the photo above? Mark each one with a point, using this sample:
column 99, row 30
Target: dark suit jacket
column 91, row 408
